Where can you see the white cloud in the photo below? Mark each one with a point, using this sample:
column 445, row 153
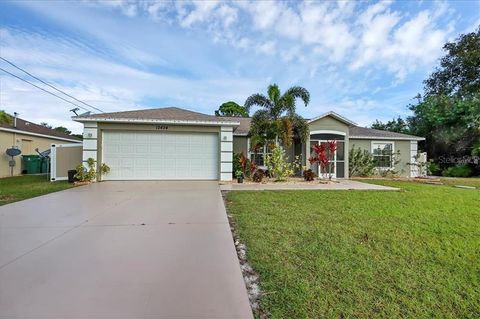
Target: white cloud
column 197, row 53
column 127, row 7
column 264, row 13
column 201, row 11
column 399, row 43
column 341, row 32
column 267, row 48
column 108, row 85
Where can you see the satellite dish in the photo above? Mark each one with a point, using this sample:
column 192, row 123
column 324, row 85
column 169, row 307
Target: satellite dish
column 13, row 152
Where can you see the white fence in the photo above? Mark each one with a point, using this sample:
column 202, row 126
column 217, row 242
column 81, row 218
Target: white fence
column 64, row 157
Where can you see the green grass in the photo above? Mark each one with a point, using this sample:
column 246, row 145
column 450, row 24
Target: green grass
column 364, row 254
column 452, row 181
column 17, row 188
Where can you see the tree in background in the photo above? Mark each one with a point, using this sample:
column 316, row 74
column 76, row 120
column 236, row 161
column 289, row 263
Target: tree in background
column 459, row 71
column 5, row 118
column 448, row 114
column 63, row 130
column 60, row 129
column 398, row 125
column 231, row 108
column 45, row 124
column 277, row 121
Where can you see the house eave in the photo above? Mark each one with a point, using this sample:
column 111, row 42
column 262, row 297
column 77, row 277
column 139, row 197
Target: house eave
column 155, row 121
column 386, row 138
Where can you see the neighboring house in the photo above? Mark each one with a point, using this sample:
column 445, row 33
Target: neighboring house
column 27, row 137
column 177, row 144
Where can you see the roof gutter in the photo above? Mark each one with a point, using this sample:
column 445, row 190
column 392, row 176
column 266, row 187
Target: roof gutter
column 155, row 121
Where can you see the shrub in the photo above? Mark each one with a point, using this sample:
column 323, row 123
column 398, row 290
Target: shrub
column 236, row 163
column 361, row 163
column 278, row 166
column 309, row 175
column 89, row 174
column 458, row 171
column 258, row 176
column 104, row 169
column 433, row 168
column 238, row 174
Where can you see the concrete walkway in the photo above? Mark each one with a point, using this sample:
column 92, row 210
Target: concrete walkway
column 121, row 250
column 341, row 184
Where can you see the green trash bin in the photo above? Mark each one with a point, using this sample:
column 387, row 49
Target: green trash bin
column 31, row 164
column 44, row 165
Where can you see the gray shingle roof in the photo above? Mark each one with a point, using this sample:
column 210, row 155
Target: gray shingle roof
column 363, row 132
column 355, row 131
column 244, row 126
column 178, row 114
column 29, row 127
column 167, row 113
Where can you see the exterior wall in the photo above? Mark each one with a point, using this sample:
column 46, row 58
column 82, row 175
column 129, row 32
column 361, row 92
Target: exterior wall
column 64, row 157
column 93, row 140
column 91, row 145
column 27, row 144
column 226, row 153
column 328, row 123
column 399, row 145
column 324, row 125
column 240, row 145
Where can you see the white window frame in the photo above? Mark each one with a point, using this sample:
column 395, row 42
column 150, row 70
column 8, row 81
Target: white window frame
column 263, row 152
column 374, row 145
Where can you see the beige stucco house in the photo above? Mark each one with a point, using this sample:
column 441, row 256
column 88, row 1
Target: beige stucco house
column 177, row 144
column 26, row 136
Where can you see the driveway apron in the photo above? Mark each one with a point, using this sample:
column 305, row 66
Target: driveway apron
column 147, row 249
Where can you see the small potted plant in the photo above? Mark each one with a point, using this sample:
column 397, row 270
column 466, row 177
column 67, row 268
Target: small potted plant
column 239, row 176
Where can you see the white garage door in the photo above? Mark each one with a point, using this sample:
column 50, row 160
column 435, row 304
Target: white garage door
column 139, row 155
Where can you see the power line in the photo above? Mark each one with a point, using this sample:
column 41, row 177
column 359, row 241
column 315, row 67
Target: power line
column 53, row 87
column 38, row 87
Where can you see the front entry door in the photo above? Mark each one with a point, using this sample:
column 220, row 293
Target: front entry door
column 324, row 172
column 337, row 164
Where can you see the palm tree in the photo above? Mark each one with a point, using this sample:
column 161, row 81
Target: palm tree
column 277, row 120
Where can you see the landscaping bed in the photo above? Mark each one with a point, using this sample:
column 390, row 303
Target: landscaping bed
column 18, row 188
column 359, row 254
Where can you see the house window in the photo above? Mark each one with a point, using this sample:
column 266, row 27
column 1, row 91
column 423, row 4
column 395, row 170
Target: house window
column 383, row 154
column 259, row 156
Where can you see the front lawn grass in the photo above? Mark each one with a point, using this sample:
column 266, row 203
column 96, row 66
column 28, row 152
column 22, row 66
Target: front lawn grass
column 364, row 254
column 17, row 188
column 452, row 181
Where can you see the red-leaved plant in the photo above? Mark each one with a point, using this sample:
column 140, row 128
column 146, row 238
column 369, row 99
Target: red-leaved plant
column 322, row 156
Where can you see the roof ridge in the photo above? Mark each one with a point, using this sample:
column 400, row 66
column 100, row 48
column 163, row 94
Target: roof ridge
column 153, row 109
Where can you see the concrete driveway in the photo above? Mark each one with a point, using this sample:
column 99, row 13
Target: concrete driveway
column 121, row 250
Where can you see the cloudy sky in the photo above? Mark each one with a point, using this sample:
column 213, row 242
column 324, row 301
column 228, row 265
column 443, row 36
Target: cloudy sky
column 364, row 60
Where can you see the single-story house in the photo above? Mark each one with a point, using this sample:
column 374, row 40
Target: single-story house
column 178, row 144
column 27, row 136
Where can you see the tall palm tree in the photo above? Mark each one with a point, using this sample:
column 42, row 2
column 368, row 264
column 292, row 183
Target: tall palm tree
column 277, row 120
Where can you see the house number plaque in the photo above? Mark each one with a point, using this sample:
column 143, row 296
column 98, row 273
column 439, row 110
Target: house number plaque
column 161, row 127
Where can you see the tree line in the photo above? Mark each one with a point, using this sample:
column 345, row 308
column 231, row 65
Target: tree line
column 447, row 114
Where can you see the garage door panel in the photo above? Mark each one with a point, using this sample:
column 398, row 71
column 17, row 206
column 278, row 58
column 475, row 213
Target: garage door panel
column 161, row 155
